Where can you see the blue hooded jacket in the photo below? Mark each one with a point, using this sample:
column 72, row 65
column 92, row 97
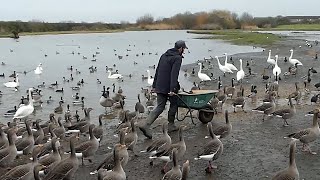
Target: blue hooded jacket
column 167, row 73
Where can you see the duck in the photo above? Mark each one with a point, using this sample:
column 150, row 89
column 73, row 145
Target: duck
column 114, row 76
column 212, row 150
column 222, row 68
column 59, row 109
column 290, row 172
column 308, row 135
column 42, row 85
column 13, row 84
column 276, row 70
column 38, row 69
column 60, row 90
column 270, row 60
column 294, row 61
column 139, row 108
column 54, row 84
column 175, row 172
column 202, row 76
column 240, row 73
column 286, row 113
column 266, row 108
column 26, row 110
column 117, row 172
column 166, row 153
column 13, row 75
column 228, row 65
column 150, row 79
column 67, row 167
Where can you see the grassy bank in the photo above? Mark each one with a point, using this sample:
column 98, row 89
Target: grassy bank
column 241, row 37
column 293, row 27
column 59, row 32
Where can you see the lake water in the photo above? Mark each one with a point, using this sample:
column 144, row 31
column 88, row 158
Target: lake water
column 29, row 51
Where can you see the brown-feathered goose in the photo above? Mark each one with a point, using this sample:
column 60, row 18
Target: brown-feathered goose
column 166, row 153
column 66, row 168
column 290, row 172
column 108, row 162
column 9, row 153
column 223, row 130
column 3, row 139
column 239, row 101
column 60, row 130
column 27, row 143
column 185, row 170
column 266, row 108
column 297, row 94
column 39, row 134
column 161, row 143
column 24, row 171
column 117, row 173
column 139, row 108
column 286, row 113
column 132, row 137
column 88, row 148
column 308, row 135
column 212, row 150
column 175, row 172
column 53, row 157
column 98, row 131
column 36, row 171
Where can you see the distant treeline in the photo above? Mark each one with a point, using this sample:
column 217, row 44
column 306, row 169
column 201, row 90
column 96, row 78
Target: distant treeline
column 216, row 19
column 19, row 26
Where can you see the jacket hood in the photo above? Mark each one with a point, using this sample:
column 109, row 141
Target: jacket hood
column 172, row 52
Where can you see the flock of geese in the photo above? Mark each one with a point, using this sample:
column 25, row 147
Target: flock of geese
column 52, row 159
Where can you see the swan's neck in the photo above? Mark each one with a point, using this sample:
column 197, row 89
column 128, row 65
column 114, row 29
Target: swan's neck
column 218, row 62
column 226, row 61
column 109, row 74
column 148, row 74
column 200, row 68
column 241, row 66
column 291, row 55
column 269, row 55
column 30, row 98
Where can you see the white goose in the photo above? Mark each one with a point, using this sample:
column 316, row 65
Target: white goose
column 150, row 80
column 224, row 69
column 294, row 61
column 230, row 66
column 25, row 111
column 240, row 74
column 269, row 60
column 39, row 69
column 201, row 75
column 276, row 70
column 12, row 84
column 114, row 76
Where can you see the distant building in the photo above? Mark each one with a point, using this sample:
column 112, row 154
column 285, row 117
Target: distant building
column 297, row 19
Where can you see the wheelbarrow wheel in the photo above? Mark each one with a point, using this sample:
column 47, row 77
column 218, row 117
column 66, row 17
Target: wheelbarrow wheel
column 206, row 114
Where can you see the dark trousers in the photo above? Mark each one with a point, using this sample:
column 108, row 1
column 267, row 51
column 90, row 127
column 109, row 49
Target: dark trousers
column 161, row 104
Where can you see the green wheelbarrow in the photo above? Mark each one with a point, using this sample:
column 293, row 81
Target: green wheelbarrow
column 196, row 100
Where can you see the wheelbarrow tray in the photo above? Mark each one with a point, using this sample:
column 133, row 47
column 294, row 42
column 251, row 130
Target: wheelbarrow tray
column 195, row 100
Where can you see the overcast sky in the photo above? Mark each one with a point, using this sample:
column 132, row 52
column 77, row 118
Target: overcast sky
column 129, row 10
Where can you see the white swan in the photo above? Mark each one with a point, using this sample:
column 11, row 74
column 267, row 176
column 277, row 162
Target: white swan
column 230, row 66
column 294, row 61
column 26, row 110
column 150, row 80
column 39, row 69
column 224, row 69
column 240, row 74
column 269, row 60
column 12, row 84
column 201, row 75
column 276, row 70
column 114, row 76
